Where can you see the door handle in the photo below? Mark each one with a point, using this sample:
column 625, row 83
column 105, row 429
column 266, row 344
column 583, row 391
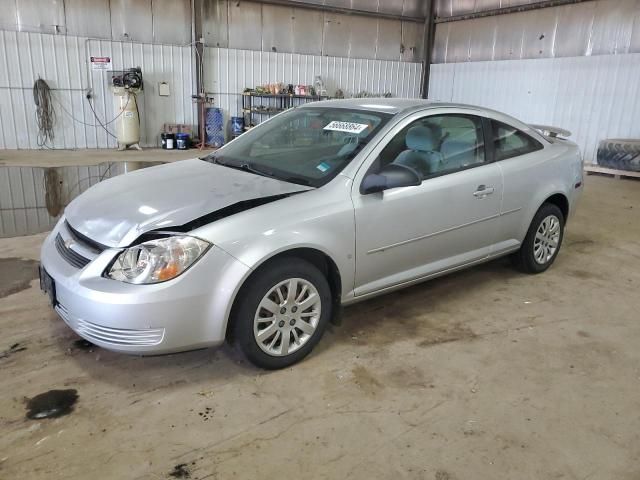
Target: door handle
column 483, row 191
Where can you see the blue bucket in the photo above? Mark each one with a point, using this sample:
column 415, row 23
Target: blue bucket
column 182, row 141
column 237, row 125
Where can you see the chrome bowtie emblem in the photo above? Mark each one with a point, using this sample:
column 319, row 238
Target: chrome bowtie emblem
column 69, row 242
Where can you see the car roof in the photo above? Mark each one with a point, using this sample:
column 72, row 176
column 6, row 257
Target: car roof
column 395, row 106
column 388, row 105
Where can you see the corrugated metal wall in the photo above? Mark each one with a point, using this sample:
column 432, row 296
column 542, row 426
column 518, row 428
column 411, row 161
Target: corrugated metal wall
column 148, row 21
column 54, row 39
column 63, row 61
column 273, row 28
column 601, row 27
column 230, row 71
column 233, row 24
column 595, row 97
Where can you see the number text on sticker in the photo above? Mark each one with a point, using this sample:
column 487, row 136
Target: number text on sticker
column 348, row 127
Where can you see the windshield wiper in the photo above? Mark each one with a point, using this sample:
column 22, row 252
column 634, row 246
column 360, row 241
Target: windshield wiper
column 298, row 180
column 248, row 167
column 245, row 166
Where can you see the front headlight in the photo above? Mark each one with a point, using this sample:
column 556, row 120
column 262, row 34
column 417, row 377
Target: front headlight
column 157, row 260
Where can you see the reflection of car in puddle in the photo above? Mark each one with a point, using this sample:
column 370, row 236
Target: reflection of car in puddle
column 33, row 198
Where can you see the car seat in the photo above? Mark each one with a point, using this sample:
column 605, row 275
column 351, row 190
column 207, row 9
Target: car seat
column 421, row 154
column 458, row 153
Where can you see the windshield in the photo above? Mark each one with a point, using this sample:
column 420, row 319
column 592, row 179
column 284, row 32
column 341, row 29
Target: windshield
column 308, row 146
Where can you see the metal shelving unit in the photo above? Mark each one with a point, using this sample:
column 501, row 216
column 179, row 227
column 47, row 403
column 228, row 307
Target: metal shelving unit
column 257, row 106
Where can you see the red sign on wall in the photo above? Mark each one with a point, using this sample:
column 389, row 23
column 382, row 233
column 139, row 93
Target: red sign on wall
column 100, row 63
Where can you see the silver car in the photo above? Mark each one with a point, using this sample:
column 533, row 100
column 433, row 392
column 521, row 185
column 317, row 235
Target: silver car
column 321, row 206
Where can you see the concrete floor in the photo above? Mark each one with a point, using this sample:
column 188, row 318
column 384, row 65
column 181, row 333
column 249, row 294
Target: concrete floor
column 486, row 374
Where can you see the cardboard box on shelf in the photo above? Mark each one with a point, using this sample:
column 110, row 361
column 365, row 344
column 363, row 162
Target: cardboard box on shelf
column 177, row 128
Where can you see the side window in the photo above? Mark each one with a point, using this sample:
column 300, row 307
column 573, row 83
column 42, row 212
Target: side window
column 510, row 142
column 438, row 144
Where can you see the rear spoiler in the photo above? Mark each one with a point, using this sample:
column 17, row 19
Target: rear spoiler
column 549, row 131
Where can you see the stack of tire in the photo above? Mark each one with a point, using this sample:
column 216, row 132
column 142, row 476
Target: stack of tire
column 620, row 154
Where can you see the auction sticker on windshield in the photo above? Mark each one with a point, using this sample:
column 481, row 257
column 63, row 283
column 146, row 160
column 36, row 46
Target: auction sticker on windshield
column 348, row 127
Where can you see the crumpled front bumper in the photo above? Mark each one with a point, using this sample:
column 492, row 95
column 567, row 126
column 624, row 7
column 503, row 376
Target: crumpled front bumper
column 185, row 313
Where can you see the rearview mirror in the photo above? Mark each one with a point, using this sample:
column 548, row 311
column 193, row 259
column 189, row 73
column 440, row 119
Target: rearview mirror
column 392, row 175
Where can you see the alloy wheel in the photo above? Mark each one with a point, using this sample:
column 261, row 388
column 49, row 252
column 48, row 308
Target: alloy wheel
column 547, row 239
column 287, row 317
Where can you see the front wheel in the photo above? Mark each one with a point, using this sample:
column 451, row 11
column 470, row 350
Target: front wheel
column 542, row 243
column 282, row 313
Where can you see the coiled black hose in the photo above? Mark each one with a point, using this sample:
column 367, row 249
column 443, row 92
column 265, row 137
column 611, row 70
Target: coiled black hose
column 45, row 114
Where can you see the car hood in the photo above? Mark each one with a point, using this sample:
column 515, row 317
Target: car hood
column 117, row 211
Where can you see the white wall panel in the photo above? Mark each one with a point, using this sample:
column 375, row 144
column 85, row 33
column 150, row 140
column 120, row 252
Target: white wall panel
column 599, row 27
column 250, row 25
column 86, row 18
column 595, row 97
column 229, row 71
column 63, row 61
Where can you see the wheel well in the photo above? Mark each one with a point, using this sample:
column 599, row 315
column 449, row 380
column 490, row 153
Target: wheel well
column 320, row 260
column 560, row 201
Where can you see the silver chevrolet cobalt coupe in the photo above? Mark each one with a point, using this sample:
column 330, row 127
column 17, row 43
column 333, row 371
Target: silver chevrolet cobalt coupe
column 321, row 206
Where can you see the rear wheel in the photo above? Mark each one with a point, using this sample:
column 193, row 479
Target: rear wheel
column 282, row 313
column 543, row 240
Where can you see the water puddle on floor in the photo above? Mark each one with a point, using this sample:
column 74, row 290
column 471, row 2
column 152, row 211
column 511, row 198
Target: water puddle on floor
column 33, row 198
column 17, row 273
column 52, row 404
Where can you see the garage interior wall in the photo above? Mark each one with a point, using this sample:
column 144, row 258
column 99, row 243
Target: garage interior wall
column 54, row 39
column 61, row 60
column 229, row 70
column 574, row 66
column 276, row 28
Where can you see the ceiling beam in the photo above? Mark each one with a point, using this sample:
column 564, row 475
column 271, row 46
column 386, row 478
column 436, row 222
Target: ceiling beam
column 345, row 11
column 506, row 10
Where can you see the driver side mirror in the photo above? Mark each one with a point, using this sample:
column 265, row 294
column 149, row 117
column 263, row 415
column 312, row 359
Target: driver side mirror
column 390, row 176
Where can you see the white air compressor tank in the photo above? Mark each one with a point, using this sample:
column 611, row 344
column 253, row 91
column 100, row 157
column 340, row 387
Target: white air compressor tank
column 128, row 120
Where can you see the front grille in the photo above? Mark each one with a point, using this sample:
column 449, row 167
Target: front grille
column 84, row 240
column 72, row 257
column 114, row 336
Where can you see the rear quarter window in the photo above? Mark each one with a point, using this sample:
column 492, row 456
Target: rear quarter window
column 510, row 142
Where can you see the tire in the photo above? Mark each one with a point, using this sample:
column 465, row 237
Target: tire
column 535, row 255
column 619, row 154
column 262, row 315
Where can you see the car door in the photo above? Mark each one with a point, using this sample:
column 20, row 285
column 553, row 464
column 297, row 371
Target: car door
column 520, row 157
column 450, row 219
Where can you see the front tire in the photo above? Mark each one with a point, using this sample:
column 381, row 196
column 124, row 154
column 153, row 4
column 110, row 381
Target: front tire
column 281, row 313
column 542, row 243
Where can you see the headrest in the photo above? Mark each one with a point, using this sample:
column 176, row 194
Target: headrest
column 421, row 139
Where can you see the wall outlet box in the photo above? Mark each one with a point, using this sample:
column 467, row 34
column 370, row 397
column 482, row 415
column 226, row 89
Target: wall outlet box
column 163, row 89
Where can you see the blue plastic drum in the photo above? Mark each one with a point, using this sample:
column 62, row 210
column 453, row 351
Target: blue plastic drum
column 214, row 126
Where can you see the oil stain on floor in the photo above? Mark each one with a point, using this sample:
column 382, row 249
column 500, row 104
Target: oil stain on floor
column 17, row 274
column 181, row 471
column 52, row 404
